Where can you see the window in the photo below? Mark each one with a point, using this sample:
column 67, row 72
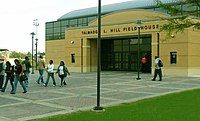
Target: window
column 73, row 58
column 173, row 57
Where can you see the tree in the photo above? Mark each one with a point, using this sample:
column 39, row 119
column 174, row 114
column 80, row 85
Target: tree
column 20, row 55
column 184, row 14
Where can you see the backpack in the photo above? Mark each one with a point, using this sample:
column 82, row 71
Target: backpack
column 1, row 67
column 160, row 64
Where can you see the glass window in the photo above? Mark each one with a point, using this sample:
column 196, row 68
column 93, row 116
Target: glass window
column 49, row 31
column 56, row 35
column 73, row 58
column 91, row 18
column 56, row 30
column 49, row 25
column 57, row 24
column 73, row 23
column 65, row 22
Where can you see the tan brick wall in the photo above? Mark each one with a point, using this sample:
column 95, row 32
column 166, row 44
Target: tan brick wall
column 82, row 42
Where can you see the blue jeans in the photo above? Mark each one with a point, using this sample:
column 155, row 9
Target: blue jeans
column 52, row 76
column 41, row 73
column 16, row 80
column 26, row 82
column 6, row 82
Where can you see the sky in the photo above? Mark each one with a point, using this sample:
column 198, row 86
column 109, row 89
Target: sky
column 17, row 18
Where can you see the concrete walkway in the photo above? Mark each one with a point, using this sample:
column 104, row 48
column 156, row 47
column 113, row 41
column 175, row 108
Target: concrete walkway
column 80, row 93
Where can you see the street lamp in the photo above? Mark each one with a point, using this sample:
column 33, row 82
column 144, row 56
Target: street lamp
column 32, row 33
column 98, row 57
column 36, row 24
column 36, row 43
column 138, row 22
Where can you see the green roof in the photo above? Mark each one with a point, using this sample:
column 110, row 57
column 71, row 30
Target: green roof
column 133, row 4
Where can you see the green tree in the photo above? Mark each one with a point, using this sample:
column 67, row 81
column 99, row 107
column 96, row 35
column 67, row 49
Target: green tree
column 184, row 14
column 20, row 55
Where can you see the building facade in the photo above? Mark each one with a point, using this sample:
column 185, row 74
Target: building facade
column 73, row 38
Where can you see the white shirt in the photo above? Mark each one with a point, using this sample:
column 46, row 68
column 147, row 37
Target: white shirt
column 50, row 68
column 61, row 70
column 156, row 63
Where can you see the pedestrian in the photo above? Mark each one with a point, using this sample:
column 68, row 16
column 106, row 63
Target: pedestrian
column 2, row 72
column 158, row 70
column 62, row 73
column 41, row 67
column 9, row 76
column 50, row 73
column 26, row 66
column 144, row 64
column 17, row 75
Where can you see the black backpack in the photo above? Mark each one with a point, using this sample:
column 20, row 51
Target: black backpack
column 160, row 64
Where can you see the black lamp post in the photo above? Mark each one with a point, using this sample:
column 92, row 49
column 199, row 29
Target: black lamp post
column 36, row 43
column 32, row 33
column 138, row 22
column 98, row 107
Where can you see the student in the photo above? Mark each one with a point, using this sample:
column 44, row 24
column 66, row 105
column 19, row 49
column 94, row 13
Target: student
column 50, row 72
column 9, row 76
column 62, row 72
column 26, row 66
column 2, row 72
column 144, row 64
column 17, row 75
column 41, row 67
column 158, row 70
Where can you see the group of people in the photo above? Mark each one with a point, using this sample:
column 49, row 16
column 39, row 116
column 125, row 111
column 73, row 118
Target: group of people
column 62, row 72
column 13, row 73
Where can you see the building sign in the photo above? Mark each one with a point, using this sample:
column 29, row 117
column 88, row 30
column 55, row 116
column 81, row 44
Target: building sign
column 122, row 29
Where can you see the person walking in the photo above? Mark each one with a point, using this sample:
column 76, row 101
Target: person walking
column 50, row 72
column 17, row 75
column 41, row 67
column 158, row 70
column 144, row 64
column 26, row 66
column 9, row 76
column 2, row 72
column 62, row 73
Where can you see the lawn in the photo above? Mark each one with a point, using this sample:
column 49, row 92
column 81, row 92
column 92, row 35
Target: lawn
column 182, row 106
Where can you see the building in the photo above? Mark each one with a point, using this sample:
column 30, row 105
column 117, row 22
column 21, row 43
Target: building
column 73, row 38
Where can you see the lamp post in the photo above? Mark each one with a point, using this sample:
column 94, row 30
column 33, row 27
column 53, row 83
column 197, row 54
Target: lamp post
column 36, row 24
column 138, row 22
column 36, row 43
column 32, row 33
column 98, row 107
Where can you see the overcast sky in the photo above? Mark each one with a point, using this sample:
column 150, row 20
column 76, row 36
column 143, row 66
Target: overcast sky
column 17, row 19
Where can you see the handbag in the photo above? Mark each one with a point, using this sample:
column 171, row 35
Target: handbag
column 23, row 77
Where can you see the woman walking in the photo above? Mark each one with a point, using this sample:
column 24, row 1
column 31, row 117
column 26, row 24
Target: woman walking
column 18, row 74
column 50, row 72
column 9, row 76
column 62, row 72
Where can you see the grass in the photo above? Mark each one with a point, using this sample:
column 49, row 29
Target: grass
column 183, row 106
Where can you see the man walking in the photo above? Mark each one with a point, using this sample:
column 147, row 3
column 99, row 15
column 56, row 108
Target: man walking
column 26, row 66
column 158, row 70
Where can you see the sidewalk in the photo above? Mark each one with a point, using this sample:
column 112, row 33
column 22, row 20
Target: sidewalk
column 80, row 93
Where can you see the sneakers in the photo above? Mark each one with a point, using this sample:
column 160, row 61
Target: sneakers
column 44, row 85
column 24, row 92
column 12, row 93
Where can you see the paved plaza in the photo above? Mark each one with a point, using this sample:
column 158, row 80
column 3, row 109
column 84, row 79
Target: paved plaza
column 80, row 93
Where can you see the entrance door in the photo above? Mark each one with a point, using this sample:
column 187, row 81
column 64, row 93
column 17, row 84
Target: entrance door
column 121, row 54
